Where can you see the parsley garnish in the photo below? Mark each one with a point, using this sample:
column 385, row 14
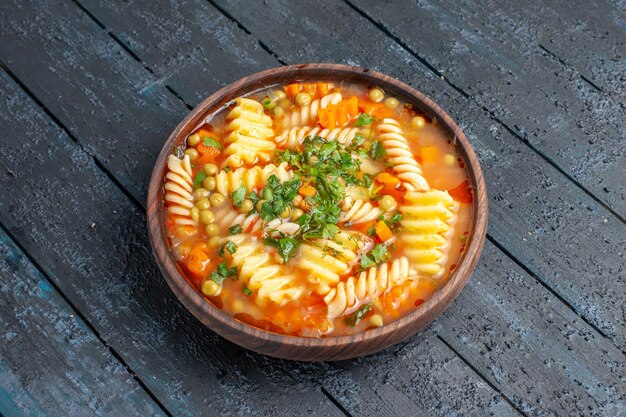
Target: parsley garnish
column 239, row 195
column 230, row 246
column 377, row 255
column 235, row 230
column 285, row 246
column 212, row 142
column 395, row 218
column 364, row 119
column 354, row 318
column 223, row 272
column 377, row 151
column 199, row 179
column 226, row 169
column 246, row 291
column 281, row 196
column 358, row 139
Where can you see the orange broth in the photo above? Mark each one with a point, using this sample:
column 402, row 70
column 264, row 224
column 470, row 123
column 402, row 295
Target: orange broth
column 197, row 250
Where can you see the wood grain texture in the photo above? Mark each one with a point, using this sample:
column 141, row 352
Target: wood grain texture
column 51, row 363
column 499, row 61
column 536, row 215
column 95, row 250
column 306, row 348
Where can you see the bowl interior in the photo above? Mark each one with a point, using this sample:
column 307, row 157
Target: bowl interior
column 255, row 338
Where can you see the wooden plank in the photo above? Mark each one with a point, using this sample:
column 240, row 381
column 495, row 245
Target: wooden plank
column 125, row 135
column 91, row 240
column 357, row 397
column 540, row 355
column 536, row 215
column 241, row 372
column 51, row 363
column 506, row 71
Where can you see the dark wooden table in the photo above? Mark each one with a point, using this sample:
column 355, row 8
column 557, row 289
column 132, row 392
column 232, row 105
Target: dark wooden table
column 90, row 90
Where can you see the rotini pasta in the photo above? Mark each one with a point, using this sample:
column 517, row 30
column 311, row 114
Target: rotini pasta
column 400, row 155
column 327, row 259
column 427, row 226
column 370, row 284
column 358, row 211
column 255, row 177
column 178, row 188
column 249, row 134
column 305, row 114
column 293, row 137
column 350, row 234
column 259, row 268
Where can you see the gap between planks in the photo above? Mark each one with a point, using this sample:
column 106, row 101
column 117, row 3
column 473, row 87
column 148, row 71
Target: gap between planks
column 80, row 315
column 275, row 55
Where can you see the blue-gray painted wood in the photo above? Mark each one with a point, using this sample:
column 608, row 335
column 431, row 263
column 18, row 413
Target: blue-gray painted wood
column 94, row 247
column 51, row 363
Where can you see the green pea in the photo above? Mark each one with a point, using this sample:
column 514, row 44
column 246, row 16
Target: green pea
column 212, row 229
column 210, row 288
column 376, row 95
column 195, row 214
column 278, row 111
column 193, row 140
column 259, row 205
column 297, row 213
column 303, row 99
column 387, row 203
column 286, row 213
column 246, row 206
column 217, row 199
column 210, row 169
column 284, row 103
column 278, row 95
column 193, row 154
column 203, row 204
column 207, row 217
column 391, row 103
column 268, row 194
column 201, row 193
column 417, row 122
column 209, row 183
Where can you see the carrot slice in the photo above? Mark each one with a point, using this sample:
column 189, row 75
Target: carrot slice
column 292, row 89
column 462, row 193
column 387, row 178
column 352, row 106
column 430, row 153
column 383, row 231
column 306, row 191
column 322, row 88
column 308, row 88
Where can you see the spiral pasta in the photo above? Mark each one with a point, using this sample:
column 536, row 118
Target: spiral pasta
column 293, row 137
column 263, row 274
column 306, row 114
column 178, row 188
column 358, row 211
column 227, row 218
column 349, row 295
column 255, row 177
column 327, row 259
column 400, row 155
column 428, row 220
column 279, row 227
column 249, row 134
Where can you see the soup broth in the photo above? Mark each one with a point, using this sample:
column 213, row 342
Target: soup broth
column 317, row 209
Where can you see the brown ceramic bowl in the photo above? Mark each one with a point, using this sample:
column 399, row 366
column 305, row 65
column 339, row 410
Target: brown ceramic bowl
column 302, row 348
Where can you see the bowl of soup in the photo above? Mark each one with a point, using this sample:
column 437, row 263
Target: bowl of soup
column 317, row 212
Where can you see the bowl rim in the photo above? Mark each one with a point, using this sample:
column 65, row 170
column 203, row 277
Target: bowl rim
column 205, row 311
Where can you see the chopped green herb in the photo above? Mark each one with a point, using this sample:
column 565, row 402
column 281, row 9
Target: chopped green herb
column 200, row 177
column 254, row 197
column 367, row 262
column 239, row 195
column 212, row 142
column 267, row 103
column 354, row 318
column 223, row 272
column 230, row 246
column 226, row 169
column 363, row 120
column 246, row 291
column 377, row 151
column 371, row 232
column 235, row 230
column 285, row 246
column 463, row 238
column 380, row 253
column 359, row 139
column 395, row 218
